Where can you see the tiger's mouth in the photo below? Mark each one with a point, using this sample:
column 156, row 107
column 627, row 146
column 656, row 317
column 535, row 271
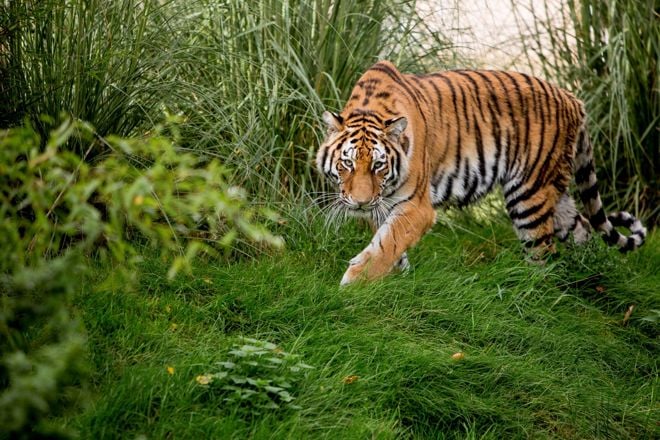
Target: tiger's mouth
column 364, row 207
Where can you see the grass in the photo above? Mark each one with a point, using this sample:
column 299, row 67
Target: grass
column 546, row 350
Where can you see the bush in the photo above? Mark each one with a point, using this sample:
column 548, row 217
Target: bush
column 256, row 375
column 57, row 210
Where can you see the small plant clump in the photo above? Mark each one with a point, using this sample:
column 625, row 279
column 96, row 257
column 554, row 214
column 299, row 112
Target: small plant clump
column 257, row 374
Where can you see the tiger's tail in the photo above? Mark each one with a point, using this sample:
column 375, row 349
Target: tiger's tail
column 585, row 178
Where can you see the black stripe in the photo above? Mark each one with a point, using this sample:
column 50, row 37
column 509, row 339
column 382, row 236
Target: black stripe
column 464, row 103
column 389, row 110
column 476, row 94
column 525, row 195
column 495, row 171
column 538, row 221
column 523, row 103
column 480, row 147
column 469, row 183
column 590, row 193
column 451, row 89
column 447, row 192
column 515, row 148
column 612, row 237
column 395, row 76
column 538, row 241
column 543, row 171
column 583, row 173
column 458, row 145
column 506, row 152
column 491, row 90
column 629, row 246
column 531, row 166
column 528, row 80
column 619, row 221
column 418, row 82
column 598, row 218
column 513, row 189
column 337, row 145
column 438, row 96
column 527, row 212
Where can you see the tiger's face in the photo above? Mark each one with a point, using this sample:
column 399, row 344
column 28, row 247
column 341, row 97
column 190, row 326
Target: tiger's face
column 366, row 157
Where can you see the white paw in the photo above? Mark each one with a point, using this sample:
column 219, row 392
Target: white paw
column 346, row 279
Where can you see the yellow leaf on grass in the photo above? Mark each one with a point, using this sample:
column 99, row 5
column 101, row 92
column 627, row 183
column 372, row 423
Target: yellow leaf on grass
column 350, row 379
column 204, row 379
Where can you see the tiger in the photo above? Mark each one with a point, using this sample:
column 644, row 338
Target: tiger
column 407, row 144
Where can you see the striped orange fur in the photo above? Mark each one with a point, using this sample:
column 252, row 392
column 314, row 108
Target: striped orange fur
column 406, row 144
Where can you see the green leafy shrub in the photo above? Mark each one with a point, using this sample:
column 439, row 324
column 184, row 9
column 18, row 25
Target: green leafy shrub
column 256, row 375
column 57, row 210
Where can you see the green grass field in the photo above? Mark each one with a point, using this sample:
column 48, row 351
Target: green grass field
column 547, row 351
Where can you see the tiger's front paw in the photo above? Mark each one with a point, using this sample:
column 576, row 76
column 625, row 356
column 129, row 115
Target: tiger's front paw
column 356, row 268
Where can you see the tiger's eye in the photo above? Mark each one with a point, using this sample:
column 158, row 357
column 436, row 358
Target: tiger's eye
column 347, row 163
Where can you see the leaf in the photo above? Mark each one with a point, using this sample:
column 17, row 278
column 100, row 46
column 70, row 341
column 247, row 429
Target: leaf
column 350, row 379
column 272, row 389
column 458, row 356
column 626, row 316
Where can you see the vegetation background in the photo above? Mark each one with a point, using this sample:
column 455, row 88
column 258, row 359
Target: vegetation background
column 166, row 271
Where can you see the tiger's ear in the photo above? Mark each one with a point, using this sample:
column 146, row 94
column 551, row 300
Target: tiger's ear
column 396, row 126
column 333, row 121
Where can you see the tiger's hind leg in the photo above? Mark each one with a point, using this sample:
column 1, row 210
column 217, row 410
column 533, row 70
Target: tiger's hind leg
column 567, row 220
column 532, row 212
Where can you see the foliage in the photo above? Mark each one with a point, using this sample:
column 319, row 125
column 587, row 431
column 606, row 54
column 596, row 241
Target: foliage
column 608, row 52
column 95, row 60
column 56, row 209
column 256, row 375
column 250, row 78
column 42, row 346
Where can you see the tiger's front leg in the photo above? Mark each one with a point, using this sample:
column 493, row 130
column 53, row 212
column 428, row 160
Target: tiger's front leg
column 401, row 230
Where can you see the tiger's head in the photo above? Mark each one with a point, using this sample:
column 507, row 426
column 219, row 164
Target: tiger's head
column 366, row 156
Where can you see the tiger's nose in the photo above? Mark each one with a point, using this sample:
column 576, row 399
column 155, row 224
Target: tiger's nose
column 362, row 202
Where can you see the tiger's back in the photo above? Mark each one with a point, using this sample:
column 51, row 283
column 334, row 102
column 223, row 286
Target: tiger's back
column 466, row 131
